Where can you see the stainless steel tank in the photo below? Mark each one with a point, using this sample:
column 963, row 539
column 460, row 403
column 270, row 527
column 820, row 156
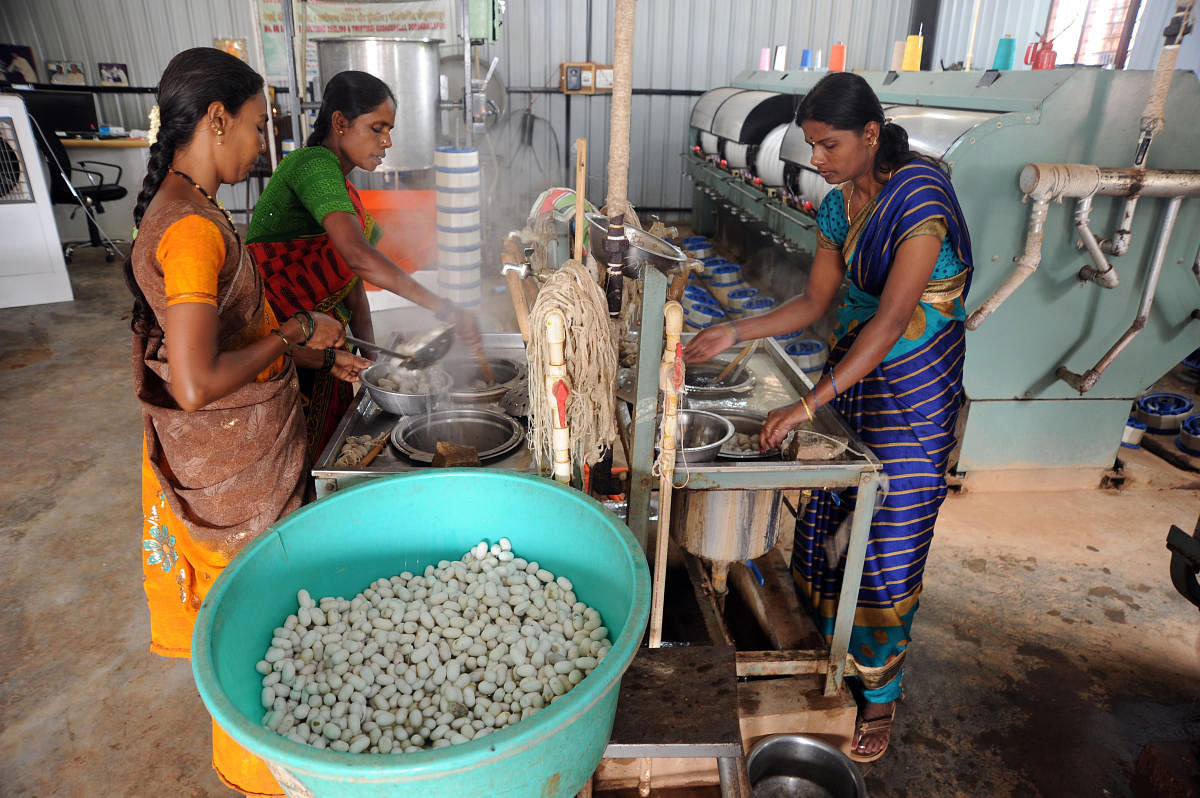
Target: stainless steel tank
column 411, row 68
column 729, row 525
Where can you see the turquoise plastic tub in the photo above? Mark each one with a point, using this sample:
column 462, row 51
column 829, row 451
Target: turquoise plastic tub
column 379, row 528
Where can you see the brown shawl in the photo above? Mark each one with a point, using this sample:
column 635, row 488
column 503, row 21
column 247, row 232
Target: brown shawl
column 235, row 466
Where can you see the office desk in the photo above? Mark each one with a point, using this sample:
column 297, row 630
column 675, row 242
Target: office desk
column 105, row 144
column 117, row 220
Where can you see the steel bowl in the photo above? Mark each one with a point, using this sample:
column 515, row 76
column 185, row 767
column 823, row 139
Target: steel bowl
column 403, row 404
column 700, row 379
column 745, row 422
column 467, row 380
column 795, row 764
column 643, row 247
column 492, row 433
column 701, row 435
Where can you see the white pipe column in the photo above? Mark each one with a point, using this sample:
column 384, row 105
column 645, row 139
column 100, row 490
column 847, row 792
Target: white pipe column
column 557, row 393
column 1027, row 263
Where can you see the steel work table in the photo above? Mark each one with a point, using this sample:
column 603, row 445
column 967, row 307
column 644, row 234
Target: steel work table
column 781, row 382
column 778, row 381
column 366, row 418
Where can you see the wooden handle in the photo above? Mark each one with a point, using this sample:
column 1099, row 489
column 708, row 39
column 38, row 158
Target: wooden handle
column 370, row 456
column 520, row 303
column 485, row 368
column 733, row 363
column 680, row 278
column 672, row 327
column 580, row 190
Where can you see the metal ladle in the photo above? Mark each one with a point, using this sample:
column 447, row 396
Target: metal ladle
column 423, row 354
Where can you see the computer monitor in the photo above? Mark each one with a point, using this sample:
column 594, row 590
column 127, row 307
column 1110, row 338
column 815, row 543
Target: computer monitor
column 63, row 112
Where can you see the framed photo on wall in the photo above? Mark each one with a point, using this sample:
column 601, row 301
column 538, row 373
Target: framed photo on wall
column 233, row 47
column 69, row 72
column 113, row 74
column 16, row 63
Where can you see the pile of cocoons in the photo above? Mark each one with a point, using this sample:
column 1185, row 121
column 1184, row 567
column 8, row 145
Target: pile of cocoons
column 428, row 660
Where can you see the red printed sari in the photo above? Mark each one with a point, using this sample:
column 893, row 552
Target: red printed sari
column 309, row 274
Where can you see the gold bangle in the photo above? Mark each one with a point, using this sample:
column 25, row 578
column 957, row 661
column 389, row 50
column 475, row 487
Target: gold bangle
column 287, row 345
column 807, row 409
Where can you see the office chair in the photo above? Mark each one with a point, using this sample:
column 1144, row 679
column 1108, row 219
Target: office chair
column 92, row 195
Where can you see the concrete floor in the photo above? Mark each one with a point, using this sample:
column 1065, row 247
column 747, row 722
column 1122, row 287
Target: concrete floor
column 1050, row 647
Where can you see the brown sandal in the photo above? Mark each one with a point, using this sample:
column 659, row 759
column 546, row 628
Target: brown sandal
column 863, row 728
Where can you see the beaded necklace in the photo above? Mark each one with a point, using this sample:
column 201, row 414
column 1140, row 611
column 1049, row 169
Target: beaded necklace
column 215, row 203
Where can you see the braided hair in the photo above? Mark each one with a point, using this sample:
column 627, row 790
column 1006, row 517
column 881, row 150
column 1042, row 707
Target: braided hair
column 845, row 101
column 353, row 93
column 192, row 81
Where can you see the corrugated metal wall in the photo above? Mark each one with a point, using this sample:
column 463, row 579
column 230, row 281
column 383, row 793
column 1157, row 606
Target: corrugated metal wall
column 1023, row 19
column 679, row 45
column 142, row 34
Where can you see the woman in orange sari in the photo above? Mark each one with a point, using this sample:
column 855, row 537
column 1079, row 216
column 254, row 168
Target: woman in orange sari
column 223, row 454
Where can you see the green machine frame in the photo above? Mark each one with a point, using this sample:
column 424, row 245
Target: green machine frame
column 1021, row 414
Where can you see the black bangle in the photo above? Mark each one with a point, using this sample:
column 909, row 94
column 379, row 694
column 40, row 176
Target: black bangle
column 287, row 345
column 330, row 357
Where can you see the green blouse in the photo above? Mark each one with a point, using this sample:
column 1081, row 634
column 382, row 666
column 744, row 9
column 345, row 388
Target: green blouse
column 307, row 186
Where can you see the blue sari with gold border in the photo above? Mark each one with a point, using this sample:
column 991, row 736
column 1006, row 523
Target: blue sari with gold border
column 905, row 411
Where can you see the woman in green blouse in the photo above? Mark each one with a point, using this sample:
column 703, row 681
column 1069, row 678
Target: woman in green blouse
column 314, row 241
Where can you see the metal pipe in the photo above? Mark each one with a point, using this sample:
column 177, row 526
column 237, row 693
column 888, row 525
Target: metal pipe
column 1084, row 382
column 465, row 33
column 1085, row 180
column 289, row 29
column 1101, row 272
column 1027, row 263
column 1044, row 181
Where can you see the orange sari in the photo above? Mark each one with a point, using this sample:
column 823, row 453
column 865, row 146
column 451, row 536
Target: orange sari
column 227, row 502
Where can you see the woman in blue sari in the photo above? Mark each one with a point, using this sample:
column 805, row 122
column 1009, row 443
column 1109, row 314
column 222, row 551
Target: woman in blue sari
column 894, row 230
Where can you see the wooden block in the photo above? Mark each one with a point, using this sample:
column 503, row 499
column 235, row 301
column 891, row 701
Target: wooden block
column 775, row 604
column 614, row 774
column 795, row 705
column 453, row 455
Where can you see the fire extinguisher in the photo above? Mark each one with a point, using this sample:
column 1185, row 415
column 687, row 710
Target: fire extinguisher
column 1040, row 54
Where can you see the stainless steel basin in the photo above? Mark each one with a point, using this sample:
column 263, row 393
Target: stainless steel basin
column 799, row 766
column 492, row 433
column 643, row 247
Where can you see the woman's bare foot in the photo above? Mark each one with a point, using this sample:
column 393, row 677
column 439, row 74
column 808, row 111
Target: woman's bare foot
column 872, row 731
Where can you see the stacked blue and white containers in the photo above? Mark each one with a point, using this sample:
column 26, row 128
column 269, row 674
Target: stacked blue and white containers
column 459, row 250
